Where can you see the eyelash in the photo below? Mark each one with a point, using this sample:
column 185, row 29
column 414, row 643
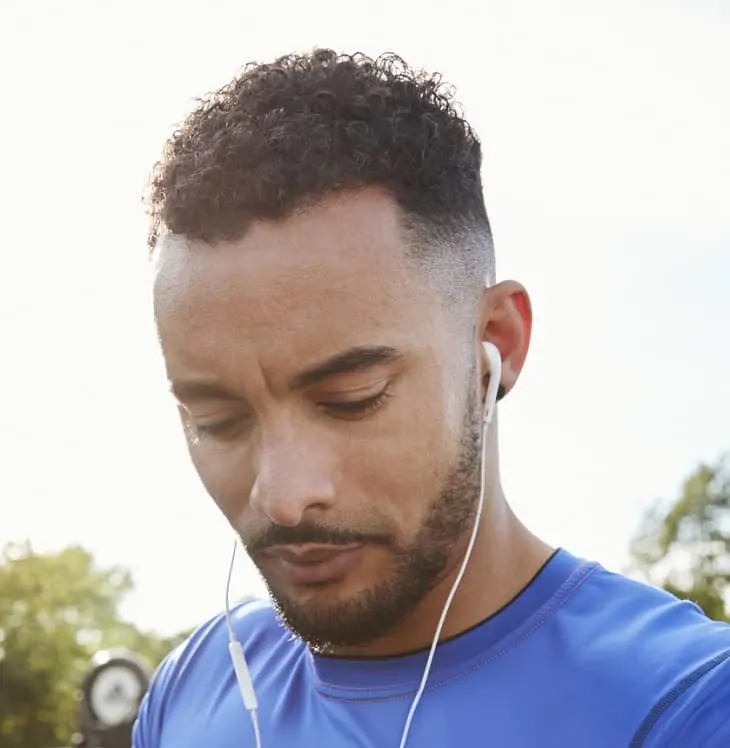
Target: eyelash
column 222, row 429
column 360, row 407
column 214, row 429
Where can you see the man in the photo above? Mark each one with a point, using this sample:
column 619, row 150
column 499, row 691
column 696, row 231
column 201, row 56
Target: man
column 324, row 286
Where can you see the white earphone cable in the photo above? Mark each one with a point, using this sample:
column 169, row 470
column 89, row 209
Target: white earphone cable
column 240, row 666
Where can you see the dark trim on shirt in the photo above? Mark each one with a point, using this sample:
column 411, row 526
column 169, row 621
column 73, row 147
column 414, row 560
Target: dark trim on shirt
column 663, row 705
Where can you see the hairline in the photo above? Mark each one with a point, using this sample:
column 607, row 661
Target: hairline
column 455, row 254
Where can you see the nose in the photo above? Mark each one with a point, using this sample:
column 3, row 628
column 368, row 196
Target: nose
column 295, row 477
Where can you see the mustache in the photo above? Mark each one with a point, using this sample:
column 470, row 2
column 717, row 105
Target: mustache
column 310, row 533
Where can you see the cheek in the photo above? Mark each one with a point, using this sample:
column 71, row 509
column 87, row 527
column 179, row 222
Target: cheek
column 401, row 471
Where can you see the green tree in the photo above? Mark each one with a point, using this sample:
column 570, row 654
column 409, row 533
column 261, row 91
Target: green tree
column 684, row 546
column 56, row 610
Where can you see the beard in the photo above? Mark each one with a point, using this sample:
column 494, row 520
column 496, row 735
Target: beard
column 417, row 568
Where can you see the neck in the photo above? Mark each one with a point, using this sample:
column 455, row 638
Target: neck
column 505, row 558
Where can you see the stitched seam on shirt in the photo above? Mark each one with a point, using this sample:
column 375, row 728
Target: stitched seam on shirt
column 660, row 708
column 569, row 588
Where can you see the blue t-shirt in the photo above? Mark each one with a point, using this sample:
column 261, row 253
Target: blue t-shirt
column 582, row 658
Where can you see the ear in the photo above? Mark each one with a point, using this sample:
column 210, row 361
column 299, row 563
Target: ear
column 506, row 321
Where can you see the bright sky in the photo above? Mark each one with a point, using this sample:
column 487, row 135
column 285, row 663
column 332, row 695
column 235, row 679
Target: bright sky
column 606, row 131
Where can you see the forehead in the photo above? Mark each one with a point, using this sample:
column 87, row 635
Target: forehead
column 334, row 276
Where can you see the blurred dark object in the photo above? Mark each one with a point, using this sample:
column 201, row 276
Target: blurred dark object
column 111, row 694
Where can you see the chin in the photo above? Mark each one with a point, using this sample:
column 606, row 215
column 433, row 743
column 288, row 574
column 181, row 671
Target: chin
column 344, row 614
column 326, row 623
column 319, row 596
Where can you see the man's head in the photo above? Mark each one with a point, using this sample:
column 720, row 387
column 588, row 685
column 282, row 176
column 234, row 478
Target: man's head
column 323, row 256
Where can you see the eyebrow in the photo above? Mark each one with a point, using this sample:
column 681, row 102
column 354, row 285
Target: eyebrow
column 351, row 360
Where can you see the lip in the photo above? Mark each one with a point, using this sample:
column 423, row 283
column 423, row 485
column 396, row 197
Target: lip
column 315, row 563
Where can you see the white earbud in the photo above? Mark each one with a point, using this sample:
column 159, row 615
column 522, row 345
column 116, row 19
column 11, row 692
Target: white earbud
column 495, row 376
column 490, row 402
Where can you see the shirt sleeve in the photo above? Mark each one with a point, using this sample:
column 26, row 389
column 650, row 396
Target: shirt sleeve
column 699, row 716
column 720, row 738
column 147, row 730
column 144, row 734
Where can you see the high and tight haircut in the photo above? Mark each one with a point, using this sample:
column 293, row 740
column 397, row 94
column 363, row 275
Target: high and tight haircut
column 282, row 136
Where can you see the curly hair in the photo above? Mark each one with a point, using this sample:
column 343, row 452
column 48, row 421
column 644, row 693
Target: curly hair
column 286, row 134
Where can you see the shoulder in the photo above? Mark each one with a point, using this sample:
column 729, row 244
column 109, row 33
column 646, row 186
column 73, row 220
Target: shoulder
column 634, row 614
column 197, row 667
column 255, row 625
column 666, row 652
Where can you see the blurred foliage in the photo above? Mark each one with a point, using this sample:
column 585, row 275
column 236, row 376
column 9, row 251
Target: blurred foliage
column 684, row 546
column 56, row 610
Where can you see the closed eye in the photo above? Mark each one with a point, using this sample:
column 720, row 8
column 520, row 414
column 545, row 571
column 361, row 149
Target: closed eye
column 357, row 408
column 227, row 428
